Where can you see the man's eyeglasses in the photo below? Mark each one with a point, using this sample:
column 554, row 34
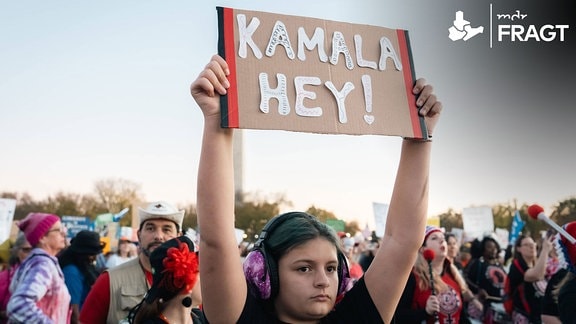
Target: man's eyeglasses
column 26, row 249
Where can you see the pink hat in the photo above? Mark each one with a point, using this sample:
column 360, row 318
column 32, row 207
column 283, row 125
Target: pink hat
column 430, row 230
column 36, row 225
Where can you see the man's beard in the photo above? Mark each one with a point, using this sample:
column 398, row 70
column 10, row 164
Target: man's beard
column 148, row 250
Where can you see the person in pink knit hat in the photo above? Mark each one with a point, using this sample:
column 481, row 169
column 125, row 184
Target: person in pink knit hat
column 39, row 294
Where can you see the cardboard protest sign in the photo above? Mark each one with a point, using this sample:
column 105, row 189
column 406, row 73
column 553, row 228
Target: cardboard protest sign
column 312, row 75
column 380, row 216
column 477, row 221
column 7, row 209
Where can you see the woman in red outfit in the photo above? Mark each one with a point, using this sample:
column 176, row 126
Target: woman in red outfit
column 441, row 298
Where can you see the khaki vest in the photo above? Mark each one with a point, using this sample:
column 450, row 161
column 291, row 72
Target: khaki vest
column 127, row 288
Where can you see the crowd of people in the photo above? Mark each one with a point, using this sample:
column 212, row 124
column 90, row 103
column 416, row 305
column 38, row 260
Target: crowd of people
column 470, row 282
column 50, row 280
column 440, row 287
column 298, row 271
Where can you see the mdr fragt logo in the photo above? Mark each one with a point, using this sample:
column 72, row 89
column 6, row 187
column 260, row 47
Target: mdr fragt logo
column 507, row 27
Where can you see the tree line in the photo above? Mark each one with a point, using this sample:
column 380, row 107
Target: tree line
column 111, row 195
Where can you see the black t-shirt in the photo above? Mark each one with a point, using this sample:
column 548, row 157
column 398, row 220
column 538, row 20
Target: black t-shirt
column 566, row 302
column 405, row 312
column 490, row 277
column 355, row 307
column 549, row 304
column 526, row 300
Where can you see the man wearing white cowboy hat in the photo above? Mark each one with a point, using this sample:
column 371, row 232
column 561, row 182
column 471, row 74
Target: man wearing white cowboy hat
column 119, row 289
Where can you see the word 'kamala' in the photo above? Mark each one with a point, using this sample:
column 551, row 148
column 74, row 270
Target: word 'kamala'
column 279, row 36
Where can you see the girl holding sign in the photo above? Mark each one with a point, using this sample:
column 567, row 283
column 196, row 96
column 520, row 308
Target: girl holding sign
column 297, row 273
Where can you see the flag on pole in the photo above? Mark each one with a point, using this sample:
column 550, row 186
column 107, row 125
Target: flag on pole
column 517, row 226
column 118, row 217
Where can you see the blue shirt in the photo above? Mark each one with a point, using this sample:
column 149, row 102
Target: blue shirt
column 76, row 287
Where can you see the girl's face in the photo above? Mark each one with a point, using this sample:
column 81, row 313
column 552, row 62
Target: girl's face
column 528, row 249
column 308, row 281
column 453, row 247
column 437, row 243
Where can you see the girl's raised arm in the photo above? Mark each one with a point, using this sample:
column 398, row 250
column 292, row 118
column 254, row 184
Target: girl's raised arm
column 223, row 285
column 406, row 221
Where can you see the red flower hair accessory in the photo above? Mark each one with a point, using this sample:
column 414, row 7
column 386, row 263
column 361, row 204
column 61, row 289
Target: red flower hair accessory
column 180, row 268
column 174, row 269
